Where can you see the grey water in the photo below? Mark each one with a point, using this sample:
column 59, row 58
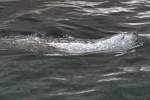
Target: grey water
column 31, row 70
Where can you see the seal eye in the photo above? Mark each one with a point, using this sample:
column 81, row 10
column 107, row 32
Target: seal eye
column 135, row 33
column 122, row 37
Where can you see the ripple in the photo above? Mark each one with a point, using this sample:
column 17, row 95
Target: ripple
column 126, row 70
column 88, row 8
column 135, row 24
column 69, row 3
column 131, row 69
column 109, row 79
column 114, row 73
column 3, row 49
column 131, row 2
column 59, row 78
column 145, row 68
column 145, row 35
column 7, row 0
column 136, row 68
column 103, row 11
column 145, row 14
column 73, row 93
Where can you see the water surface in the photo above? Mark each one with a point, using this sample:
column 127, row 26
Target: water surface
column 28, row 75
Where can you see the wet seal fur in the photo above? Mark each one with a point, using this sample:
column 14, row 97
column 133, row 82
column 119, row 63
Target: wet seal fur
column 116, row 43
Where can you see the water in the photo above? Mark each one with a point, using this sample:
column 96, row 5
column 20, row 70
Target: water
column 33, row 70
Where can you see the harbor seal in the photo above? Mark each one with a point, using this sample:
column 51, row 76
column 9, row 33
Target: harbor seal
column 116, row 43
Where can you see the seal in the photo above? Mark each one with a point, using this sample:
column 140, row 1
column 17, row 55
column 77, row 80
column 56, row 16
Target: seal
column 116, row 43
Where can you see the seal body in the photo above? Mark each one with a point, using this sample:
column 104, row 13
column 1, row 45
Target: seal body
column 116, row 43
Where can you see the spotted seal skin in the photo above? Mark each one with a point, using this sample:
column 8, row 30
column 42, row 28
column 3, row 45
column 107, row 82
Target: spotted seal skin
column 116, row 43
column 29, row 44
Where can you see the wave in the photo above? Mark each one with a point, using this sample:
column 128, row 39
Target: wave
column 119, row 43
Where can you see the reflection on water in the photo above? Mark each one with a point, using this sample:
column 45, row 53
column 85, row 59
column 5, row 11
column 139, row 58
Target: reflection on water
column 26, row 75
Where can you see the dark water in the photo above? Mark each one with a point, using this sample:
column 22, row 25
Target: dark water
column 33, row 76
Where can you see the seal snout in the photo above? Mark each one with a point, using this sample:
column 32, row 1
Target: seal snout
column 131, row 36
